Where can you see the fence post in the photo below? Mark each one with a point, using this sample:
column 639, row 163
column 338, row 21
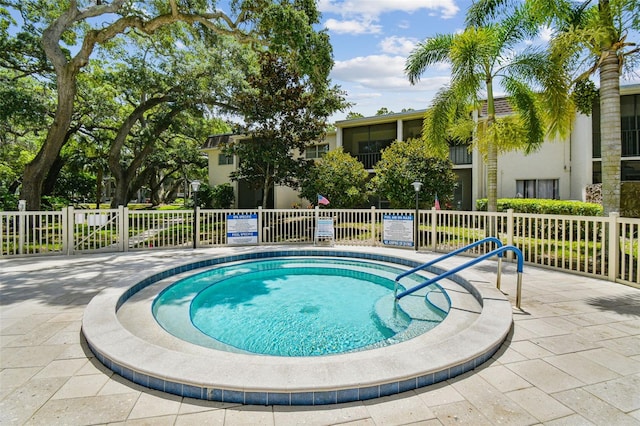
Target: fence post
column 70, row 230
column 196, row 221
column 372, row 220
column 260, row 230
column 510, row 221
column 123, row 227
column 22, row 217
column 434, row 229
column 613, row 249
column 64, row 218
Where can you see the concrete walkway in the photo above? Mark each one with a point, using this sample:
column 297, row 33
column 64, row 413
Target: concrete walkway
column 573, row 358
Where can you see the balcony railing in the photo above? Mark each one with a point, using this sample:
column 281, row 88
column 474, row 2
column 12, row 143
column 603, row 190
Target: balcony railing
column 459, row 154
column 369, row 159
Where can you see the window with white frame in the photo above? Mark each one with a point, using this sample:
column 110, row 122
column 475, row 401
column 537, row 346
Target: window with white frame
column 316, row 151
column 224, row 159
column 538, row 188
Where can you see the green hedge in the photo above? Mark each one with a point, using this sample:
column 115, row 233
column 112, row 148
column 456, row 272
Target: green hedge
column 541, row 206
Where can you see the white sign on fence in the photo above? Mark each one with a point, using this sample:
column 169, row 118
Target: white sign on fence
column 324, row 230
column 242, row 228
column 97, row 219
column 398, row 230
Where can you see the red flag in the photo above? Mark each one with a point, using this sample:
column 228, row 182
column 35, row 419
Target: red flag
column 436, row 204
column 322, row 200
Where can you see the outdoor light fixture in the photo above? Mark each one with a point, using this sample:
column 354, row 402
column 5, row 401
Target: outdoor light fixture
column 416, row 185
column 195, row 186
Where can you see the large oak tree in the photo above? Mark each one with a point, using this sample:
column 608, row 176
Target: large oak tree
column 283, row 113
column 70, row 32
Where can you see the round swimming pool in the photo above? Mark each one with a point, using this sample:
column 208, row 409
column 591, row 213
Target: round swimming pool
column 297, row 307
column 121, row 330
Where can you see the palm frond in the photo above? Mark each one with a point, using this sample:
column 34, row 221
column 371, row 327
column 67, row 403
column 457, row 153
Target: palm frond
column 437, row 121
column 483, row 12
column 427, row 53
column 517, row 27
column 523, row 101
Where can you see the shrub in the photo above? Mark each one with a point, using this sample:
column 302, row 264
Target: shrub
column 217, row 196
column 542, row 206
column 539, row 229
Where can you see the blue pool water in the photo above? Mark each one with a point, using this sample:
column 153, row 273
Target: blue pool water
column 296, row 307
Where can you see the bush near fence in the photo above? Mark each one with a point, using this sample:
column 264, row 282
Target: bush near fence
column 558, row 227
column 543, row 206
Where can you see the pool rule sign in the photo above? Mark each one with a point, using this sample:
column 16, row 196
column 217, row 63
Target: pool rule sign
column 398, row 230
column 242, row 228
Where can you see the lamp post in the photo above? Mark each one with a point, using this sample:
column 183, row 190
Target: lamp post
column 195, row 186
column 416, row 185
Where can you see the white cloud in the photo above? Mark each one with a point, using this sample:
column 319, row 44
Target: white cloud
column 398, row 45
column 362, row 96
column 352, row 27
column 545, row 34
column 373, row 8
column 383, row 72
column 362, row 16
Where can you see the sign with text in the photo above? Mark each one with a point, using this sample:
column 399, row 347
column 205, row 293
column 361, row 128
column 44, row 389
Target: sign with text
column 242, row 228
column 324, row 228
column 398, row 230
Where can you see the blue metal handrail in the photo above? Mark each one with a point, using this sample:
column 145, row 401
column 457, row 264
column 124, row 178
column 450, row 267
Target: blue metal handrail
column 453, row 253
column 496, row 252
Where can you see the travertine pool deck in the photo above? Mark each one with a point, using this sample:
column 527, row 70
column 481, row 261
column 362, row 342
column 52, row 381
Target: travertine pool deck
column 573, row 356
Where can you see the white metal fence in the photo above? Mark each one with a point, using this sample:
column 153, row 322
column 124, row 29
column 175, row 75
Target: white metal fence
column 606, row 247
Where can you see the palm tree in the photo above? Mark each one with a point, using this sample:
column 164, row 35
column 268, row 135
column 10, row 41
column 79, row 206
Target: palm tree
column 591, row 38
column 481, row 57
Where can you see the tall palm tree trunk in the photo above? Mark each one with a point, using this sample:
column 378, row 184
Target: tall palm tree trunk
column 492, row 153
column 611, row 134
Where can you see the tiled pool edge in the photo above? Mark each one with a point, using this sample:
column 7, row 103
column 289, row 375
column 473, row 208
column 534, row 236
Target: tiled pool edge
column 306, row 397
column 292, row 398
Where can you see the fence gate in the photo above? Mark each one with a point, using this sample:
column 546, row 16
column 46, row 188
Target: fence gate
column 94, row 230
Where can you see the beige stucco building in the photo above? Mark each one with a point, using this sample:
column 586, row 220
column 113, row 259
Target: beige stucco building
column 560, row 169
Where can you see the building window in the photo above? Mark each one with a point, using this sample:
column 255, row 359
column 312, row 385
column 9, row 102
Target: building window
column 316, row 151
column 366, row 142
column 596, row 175
column 412, row 129
column 459, row 153
column 538, row 188
column 630, row 125
column 224, row 160
column 630, row 170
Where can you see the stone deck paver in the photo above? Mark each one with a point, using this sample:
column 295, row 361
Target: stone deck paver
column 573, row 357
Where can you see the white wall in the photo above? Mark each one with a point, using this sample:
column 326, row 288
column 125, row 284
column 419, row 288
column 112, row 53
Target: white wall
column 286, row 198
column 551, row 161
column 581, row 156
column 218, row 174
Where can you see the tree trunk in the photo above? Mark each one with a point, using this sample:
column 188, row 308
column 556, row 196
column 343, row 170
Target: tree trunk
column 124, row 175
column 492, row 153
column 610, row 128
column 121, row 192
column 36, row 171
column 49, row 184
column 99, row 177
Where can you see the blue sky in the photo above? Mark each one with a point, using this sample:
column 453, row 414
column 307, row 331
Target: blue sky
column 371, row 40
